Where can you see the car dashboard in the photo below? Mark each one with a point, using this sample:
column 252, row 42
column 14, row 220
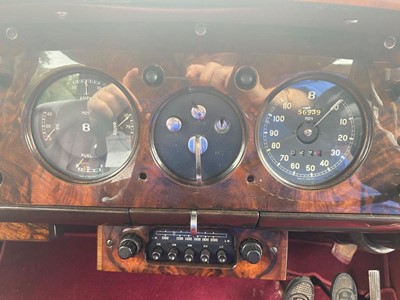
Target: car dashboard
column 195, row 136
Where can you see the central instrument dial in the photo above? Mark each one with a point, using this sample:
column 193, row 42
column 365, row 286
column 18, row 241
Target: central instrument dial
column 198, row 136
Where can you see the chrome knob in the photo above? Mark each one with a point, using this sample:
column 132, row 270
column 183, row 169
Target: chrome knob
column 174, row 124
column 173, row 253
column 199, row 112
column 189, row 254
column 203, row 144
column 157, row 252
column 205, row 255
column 221, row 256
column 222, row 125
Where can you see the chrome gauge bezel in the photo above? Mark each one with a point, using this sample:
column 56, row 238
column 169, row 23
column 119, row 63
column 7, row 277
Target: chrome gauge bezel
column 367, row 127
column 28, row 111
column 232, row 167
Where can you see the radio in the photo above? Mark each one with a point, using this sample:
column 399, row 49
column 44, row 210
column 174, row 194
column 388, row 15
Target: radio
column 206, row 247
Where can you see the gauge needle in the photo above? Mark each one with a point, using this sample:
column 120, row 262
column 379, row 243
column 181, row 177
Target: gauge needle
column 197, row 147
column 329, row 111
column 86, row 88
column 124, row 120
column 50, row 134
column 78, row 164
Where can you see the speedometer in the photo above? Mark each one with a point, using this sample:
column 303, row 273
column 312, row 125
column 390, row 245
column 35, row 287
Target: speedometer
column 314, row 131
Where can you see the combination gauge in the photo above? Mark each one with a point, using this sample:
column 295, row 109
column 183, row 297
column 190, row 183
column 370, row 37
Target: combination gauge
column 314, row 131
column 83, row 124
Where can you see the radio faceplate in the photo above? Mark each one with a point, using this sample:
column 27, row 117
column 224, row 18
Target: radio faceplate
column 207, row 247
column 247, row 253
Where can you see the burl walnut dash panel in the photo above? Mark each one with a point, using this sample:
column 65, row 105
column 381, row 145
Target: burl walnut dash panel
column 108, row 259
column 24, row 232
column 372, row 189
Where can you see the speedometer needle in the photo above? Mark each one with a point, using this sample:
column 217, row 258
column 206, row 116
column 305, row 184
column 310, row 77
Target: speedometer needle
column 334, row 106
column 124, row 120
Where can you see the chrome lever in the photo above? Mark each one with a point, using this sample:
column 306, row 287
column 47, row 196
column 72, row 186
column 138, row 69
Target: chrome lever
column 193, row 223
column 199, row 178
column 374, row 285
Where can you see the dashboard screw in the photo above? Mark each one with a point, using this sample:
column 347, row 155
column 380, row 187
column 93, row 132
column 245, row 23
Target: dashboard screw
column 109, row 243
column 200, row 29
column 390, row 43
column 12, row 33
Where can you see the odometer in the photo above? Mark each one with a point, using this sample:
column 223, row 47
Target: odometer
column 314, row 131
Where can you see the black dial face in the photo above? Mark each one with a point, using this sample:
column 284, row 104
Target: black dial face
column 83, row 124
column 198, row 136
column 313, row 132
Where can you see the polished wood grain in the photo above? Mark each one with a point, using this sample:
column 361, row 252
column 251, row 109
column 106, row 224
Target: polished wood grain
column 25, row 232
column 108, row 259
column 372, row 189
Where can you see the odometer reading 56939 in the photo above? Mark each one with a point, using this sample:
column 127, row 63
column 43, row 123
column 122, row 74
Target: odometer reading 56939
column 313, row 132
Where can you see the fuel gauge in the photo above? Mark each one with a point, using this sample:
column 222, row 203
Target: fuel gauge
column 86, row 165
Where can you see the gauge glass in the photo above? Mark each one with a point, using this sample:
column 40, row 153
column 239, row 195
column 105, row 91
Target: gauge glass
column 84, row 124
column 313, row 131
column 198, row 136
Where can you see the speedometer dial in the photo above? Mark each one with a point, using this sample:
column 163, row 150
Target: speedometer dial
column 314, row 131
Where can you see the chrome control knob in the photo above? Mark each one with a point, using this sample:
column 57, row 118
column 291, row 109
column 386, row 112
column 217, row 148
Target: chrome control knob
column 205, row 255
column 203, row 144
column 173, row 253
column 189, row 255
column 221, row 256
column 199, row 112
column 174, row 124
column 157, row 252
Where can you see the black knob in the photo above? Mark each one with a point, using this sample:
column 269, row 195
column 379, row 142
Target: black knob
column 129, row 246
column 205, row 255
column 173, row 253
column 157, row 252
column 153, row 75
column 221, row 256
column 246, row 78
column 189, row 254
column 251, row 251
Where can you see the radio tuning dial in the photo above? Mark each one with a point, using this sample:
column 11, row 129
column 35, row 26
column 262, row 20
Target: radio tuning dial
column 129, row 246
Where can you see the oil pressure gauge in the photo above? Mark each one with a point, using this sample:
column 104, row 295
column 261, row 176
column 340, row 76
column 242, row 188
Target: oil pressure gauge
column 314, row 131
column 83, row 124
